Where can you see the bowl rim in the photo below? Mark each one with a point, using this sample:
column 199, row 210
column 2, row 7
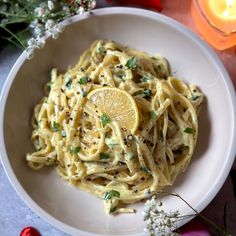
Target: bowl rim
column 116, row 11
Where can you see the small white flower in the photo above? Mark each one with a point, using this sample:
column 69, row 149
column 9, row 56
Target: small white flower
column 34, row 43
column 80, row 11
column 31, row 42
column 39, row 11
column 51, row 5
column 49, row 24
column 66, row 10
column 158, row 222
column 92, row 4
column 38, row 31
column 34, row 23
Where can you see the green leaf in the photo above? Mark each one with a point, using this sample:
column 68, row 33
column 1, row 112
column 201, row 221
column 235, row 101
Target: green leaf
column 112, row 209
column 190, row 130
column 195, row 97
column 101, row 50
column 105, row 119
column 75, row 150
column 104, row 156
column 55, row 126
column 83, row 80
column 132, row 63
column 109, row 195
column 145, row 78
column 147, row 93
column 153, row 114
column 145, row 169
column 68, row 84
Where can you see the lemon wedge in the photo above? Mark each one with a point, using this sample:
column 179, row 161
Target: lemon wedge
column 118, row 105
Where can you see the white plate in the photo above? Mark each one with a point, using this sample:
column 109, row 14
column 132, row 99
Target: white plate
column 79, row 213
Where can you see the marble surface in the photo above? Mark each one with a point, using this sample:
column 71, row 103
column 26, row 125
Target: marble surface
column 15, row 215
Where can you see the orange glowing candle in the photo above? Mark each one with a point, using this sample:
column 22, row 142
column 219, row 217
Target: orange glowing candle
column 216, row 21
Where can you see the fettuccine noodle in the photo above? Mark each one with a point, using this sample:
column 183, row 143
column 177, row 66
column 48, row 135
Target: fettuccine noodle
column 105, row 159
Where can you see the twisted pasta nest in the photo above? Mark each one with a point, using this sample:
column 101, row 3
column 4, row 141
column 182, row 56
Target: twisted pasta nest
column 89, row 145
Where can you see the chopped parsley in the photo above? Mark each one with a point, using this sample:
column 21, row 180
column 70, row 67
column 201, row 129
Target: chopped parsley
column 190, row 130
column 55, row 126
column 83, row 80
column 68, row 84
column 75, row 150
column 145, row 169
column 105, row 119
column 153, row 114
column 132, row 63
column 112, row 209
column 194, row 97
column 109, row 195
column 147, row 93
column 146, row 78
column 101, row 50
column 104, row 156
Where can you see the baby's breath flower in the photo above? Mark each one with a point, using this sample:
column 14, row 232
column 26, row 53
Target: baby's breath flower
column 46, row 16
column 49, row 25
column 51, row 5
column 39, row 12
column 158, row 222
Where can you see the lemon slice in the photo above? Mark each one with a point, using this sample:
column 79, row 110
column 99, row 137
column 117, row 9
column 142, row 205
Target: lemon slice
column 118, row 105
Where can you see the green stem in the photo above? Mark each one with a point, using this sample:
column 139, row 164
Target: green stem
column 221, row 229
column 13, row 42
column 12, row 14
column 13, row 35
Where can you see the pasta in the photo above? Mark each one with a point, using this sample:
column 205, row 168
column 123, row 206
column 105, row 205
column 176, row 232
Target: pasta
column 77, row 126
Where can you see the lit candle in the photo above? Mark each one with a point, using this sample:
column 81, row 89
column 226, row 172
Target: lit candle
column 216, row 21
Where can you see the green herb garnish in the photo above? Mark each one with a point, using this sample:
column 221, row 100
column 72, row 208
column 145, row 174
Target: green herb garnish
column 147, row 93
column 75, row 150
column 145, row 169
column 153, row 114
column 190, row 130
column 101, row 50
column 146, row 78
column 104, row 156
column 194, row 97
column 83, row 80
column 132, row 63
column 105, row 119
column 68, row 84
column 109, row 195
column 112, row 209
column 55, row 126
